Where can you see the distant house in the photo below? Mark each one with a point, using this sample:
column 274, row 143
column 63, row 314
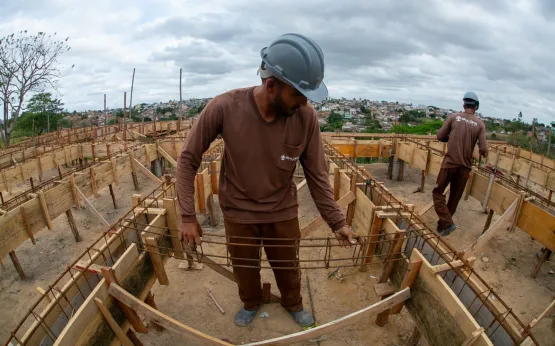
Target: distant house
column 348, row 127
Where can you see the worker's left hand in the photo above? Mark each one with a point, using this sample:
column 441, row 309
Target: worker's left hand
column 346, row 236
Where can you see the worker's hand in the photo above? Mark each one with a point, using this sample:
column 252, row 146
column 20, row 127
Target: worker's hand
column 346, row 236
column 484, row 154
column 190, row 233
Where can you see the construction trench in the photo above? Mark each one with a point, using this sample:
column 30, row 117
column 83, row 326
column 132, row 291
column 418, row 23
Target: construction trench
column 409, row 274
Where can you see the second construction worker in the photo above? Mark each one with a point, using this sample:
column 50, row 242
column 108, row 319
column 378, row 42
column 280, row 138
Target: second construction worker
column 461, row 131
column 267, row 129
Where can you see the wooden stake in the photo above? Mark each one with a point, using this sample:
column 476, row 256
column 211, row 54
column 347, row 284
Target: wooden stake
column 488, row 221
column 113, row 196
column 150, row 301
column 214, row 176
column 74, row 191
column 134, row 319
column 93, row 182
column 133, row 170
column 45, row 210
column 374, row 234
column 17, row 266
column 156, row 258
column 113, row 324
column 408, row 280
column 173, row 222
column 352, row 205
column 394, row 250
column 422, row 181
column 26, row 224
column 73, row 226
column 336, row 183
column 488, row 192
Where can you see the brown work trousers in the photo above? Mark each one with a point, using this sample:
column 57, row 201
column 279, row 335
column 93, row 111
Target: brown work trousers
column 457, row 177
column 248, row 279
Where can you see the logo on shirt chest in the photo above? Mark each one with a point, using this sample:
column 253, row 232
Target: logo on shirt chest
column 468, row 121
column 288, row 158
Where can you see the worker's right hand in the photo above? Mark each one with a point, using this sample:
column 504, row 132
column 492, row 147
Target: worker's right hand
column 346, row 236
column 484, row 154
column 190, row 233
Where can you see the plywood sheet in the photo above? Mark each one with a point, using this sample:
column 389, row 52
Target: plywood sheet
column 538, row 223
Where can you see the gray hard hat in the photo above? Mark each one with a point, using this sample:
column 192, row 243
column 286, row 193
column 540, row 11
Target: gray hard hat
column 471, row 98
column 298, row 61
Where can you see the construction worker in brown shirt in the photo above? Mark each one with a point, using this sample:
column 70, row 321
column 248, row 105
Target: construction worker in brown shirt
column 267, row 130
column 461, row 131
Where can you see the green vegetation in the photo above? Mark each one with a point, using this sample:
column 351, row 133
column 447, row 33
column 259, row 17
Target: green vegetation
column 412, row 116
column 335, row 122
column 42, row 115
column 428, row 127
column 28, row 63
column 193, row 111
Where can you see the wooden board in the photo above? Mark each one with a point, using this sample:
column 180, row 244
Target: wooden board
column 59, row 199
column 538, row 223
column 362, row 216
column 439, row 315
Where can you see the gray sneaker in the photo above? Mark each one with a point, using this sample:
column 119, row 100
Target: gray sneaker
column 244, row 317
column 448, row 230
column 303, row 318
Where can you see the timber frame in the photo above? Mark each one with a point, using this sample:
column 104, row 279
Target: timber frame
column 103, row 289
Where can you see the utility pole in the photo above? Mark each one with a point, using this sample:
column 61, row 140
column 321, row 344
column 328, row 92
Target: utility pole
column 131, row 96
column 180, row 99
column 105, row 122
column 549, row 140
column 124, row 111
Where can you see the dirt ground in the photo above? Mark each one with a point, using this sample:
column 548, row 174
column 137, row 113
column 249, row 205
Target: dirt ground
column 186, row 299
column 55, row 249
column 506, row 263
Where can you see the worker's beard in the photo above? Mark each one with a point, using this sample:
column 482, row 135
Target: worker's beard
column 282, row 109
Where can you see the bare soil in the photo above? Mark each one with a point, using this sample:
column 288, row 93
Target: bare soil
column 56, row 249
column 506, row 262
column 186, row 299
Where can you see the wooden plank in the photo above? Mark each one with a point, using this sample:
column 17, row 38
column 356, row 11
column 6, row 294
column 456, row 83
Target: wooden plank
column 437, row 311
column 502, row 223
column 147, row 172
column 340, row 323
column 161, row 319
column 157, row 262
column 167, row 156
column 538, row 223
column 408, row 280
column 319, row 221
column 45, row 210
column 174, row 222
column 500, row 198
column 113, row 324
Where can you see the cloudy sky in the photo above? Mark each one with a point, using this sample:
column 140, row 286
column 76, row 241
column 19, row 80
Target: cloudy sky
column 422, row 52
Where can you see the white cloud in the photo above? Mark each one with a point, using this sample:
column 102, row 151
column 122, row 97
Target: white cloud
column 426, row 51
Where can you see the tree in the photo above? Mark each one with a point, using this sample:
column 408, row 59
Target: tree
column 41, row 115
column 28, row 63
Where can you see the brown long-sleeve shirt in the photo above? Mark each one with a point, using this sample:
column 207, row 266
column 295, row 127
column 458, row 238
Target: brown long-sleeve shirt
column 463, row 130
column 256, row 178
